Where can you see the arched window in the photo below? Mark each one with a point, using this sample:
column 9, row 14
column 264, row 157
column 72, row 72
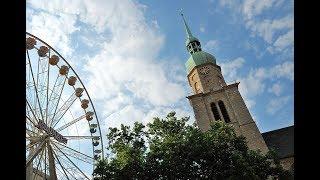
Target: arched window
column 196, row 87
column 215, row 111
column 224, row 111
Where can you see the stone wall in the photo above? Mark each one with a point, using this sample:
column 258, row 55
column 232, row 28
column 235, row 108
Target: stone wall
column 287, row 163
column 237, row 110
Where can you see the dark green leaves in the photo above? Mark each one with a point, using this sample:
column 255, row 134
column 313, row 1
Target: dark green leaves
column 169, row 148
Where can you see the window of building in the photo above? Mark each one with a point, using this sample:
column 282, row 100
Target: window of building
column 215, row 111
column 192, row 77
column 224, row 111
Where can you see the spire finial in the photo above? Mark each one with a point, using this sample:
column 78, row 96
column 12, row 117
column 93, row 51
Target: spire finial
column 189, row 34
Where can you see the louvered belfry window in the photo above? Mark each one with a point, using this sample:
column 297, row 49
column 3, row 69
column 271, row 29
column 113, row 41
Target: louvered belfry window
column 215, row 111
column 224, row 111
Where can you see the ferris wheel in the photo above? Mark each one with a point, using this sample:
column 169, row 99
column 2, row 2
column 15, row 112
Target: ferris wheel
column 63, row 136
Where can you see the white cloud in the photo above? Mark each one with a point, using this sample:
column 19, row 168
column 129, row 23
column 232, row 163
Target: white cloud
column 126, row 70
column 132, row 113
column 145, row 80
column 255, row 82
column 276, row 32
column 284, row 41
column 230, row 69
column 53, row 29
column 268, row 28
column 253, row 8
column 276, row 89
column 211, row 45
column 284, row 70
column 115, row 103
column 276, row 104
column 127, row 115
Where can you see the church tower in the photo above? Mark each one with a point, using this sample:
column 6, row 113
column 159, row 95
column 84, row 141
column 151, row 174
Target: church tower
column 213, row 99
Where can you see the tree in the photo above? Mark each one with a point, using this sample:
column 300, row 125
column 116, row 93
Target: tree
column 170, row 148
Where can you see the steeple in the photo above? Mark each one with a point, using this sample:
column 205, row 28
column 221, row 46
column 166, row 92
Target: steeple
column 213, row 99
column 189, row 34
column 198, row 56
column 192, row 43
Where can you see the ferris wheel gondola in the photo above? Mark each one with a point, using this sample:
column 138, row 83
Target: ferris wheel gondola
column 63, row 135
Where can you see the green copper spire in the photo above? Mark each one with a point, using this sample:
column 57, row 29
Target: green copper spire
column 189, row 34
column 190, row 37
column 193, row 45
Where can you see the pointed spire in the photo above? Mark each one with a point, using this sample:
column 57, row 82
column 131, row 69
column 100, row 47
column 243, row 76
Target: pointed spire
column 192, row 43
column 189, row 34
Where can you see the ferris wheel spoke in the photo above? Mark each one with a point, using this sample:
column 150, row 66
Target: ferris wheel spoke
column 76, row 154
column 71, row 162
column 63, row 169
column 56, row 111
column 57, row 104
column 39, row 162
column 61, row 174
column 35, row 153
column 80, row 137
column 29, row 120
column 63, row 109
column 70, row 123
column 33, row 113
column 67, row 168
column 49, row 101
column 54, row 97
column 81, row 158
column 35, row 86
column 30, row 132
column 47, row 96
column 30, row 145
column 30, row 123
column 42, row 71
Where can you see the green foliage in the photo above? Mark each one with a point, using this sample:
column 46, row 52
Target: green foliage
column 169, row 148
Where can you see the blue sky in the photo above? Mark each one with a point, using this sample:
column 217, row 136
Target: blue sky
column 131, row 54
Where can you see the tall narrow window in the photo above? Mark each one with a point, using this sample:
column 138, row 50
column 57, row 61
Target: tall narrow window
column 224, row 111
column 215, row 111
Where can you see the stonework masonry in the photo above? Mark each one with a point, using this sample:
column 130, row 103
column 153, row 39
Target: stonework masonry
column 213, row 99
column 239, row 114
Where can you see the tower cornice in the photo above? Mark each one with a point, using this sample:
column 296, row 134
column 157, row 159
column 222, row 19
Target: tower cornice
column 223, row 88
column 201, row 65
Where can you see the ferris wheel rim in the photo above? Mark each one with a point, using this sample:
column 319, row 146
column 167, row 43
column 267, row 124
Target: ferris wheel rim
column 86, row 92
column 78, row 79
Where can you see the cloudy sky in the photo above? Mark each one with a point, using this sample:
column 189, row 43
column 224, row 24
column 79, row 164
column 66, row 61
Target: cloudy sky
column 130, row 54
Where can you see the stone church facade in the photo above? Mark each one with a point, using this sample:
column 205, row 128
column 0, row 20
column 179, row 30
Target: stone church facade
column 213, row 99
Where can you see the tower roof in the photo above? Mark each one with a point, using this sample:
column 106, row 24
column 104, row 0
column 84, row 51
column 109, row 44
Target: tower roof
column 199, row 58
column 193, row 45
column 190, row 37
column 281, row 140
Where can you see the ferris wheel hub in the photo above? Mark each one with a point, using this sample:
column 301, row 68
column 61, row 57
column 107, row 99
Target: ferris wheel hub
column 51, row 132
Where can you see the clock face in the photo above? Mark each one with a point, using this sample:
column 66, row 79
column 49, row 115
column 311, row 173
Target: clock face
column 204, row 70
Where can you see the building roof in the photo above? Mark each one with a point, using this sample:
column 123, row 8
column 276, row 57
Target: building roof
column 199, row 58
column 190, row 37
column 281, row 140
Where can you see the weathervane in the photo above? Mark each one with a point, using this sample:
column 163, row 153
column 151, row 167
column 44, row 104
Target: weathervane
column 181, row 12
